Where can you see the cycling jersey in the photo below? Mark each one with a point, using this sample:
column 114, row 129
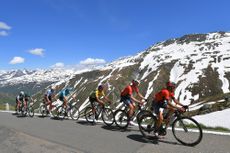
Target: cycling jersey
column 128, row 91
column 97, row 94
column 49, row 92
column 126, row 94
column 164, row 94
column 20, row 98
column 62, row 94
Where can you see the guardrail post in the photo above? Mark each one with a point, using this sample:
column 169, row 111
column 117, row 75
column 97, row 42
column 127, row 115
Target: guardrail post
column 7, row 107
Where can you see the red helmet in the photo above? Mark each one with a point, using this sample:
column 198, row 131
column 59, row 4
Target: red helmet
column 136, row 82
column 170, row 85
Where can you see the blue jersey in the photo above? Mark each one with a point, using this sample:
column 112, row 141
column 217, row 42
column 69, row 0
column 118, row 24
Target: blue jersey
column 49, row 92
column 64, row 93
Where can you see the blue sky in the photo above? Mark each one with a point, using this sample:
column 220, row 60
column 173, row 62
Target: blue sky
column 45, row 33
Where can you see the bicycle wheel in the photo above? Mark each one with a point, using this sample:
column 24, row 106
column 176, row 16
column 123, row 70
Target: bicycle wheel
column 61, row 112
column 141, row 113
column 74, row 113
column 23, row 111
column 187, row 131
column 107, row 116
column 54, row 112
column 121, row 118
column 31, row 111
column 147, row 124
column 43, row 110
column 89, row 115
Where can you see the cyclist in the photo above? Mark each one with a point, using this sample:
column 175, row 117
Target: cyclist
column 127, row 96
column 62, row 96
column 48, row 97
column 23, row 99
column 163, row 100
column 98, row 96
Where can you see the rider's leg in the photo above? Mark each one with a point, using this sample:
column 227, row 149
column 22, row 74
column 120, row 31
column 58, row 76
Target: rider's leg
column 131, row 110
column 170, row 112
column 26, row 103
column 160, row 119
column 50, row 103
column 16, row 106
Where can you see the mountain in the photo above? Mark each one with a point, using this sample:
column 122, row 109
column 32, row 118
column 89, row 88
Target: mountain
column 197, row 63
column 31, row 81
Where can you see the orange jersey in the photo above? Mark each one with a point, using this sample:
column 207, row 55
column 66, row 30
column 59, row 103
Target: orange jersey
column 164, row 94
column 129, row 90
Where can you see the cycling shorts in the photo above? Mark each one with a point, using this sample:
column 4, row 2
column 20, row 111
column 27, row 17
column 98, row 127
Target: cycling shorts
column 61, row 98
column 126, row 100
column 159, row 106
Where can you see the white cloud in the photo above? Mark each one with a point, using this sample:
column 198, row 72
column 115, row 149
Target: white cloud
column 3, row 33
column 4, row 26
column 91, row 61
column 58, row 65
column 17, row 60
column 37, row 51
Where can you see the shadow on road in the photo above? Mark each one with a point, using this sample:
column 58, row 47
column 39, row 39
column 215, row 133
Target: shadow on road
column 40, row 116
column 21, row 116
column 140, row 138
column 115, row 128
column 153, row 139
column 57, row 118
column 86, row 123
column 14, row 113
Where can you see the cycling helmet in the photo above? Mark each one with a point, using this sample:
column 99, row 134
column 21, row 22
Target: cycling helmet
column 22, row 93
column 52, row 88
column 100, row 87
column 170, row 85
column 136, row 82
column 67, row 91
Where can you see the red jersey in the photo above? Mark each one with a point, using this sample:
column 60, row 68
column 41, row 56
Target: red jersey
column 164, row 94
column 129, row 90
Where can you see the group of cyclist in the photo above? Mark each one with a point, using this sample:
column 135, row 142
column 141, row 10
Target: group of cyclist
column 162, row 100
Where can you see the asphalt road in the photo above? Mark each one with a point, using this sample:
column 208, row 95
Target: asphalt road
column 38, row 135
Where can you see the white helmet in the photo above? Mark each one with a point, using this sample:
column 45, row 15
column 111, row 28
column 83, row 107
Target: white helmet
column 22, row 93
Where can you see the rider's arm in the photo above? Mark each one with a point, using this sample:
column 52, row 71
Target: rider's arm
column 134, row 99
column 107, row 99
column 175, row 106
column 99, row 101
column 140, row 95
column 47, row 98
column 177, row 102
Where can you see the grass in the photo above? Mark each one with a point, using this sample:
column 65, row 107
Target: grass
column 3, row 107
column 204, row 127
column 217, row 128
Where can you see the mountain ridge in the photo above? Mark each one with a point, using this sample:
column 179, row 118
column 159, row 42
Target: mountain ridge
column 198, row 63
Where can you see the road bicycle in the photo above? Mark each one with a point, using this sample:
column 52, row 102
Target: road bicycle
column 185, row 129
column 26, row 110
column 44, row 108
column 70, row 111
column 93, row 113
column 122, row 119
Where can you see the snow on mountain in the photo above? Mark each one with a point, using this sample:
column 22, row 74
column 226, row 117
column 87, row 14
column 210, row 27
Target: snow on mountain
column 197, row 63
column 195, row 55
column 215, row 119
column 38, row 76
